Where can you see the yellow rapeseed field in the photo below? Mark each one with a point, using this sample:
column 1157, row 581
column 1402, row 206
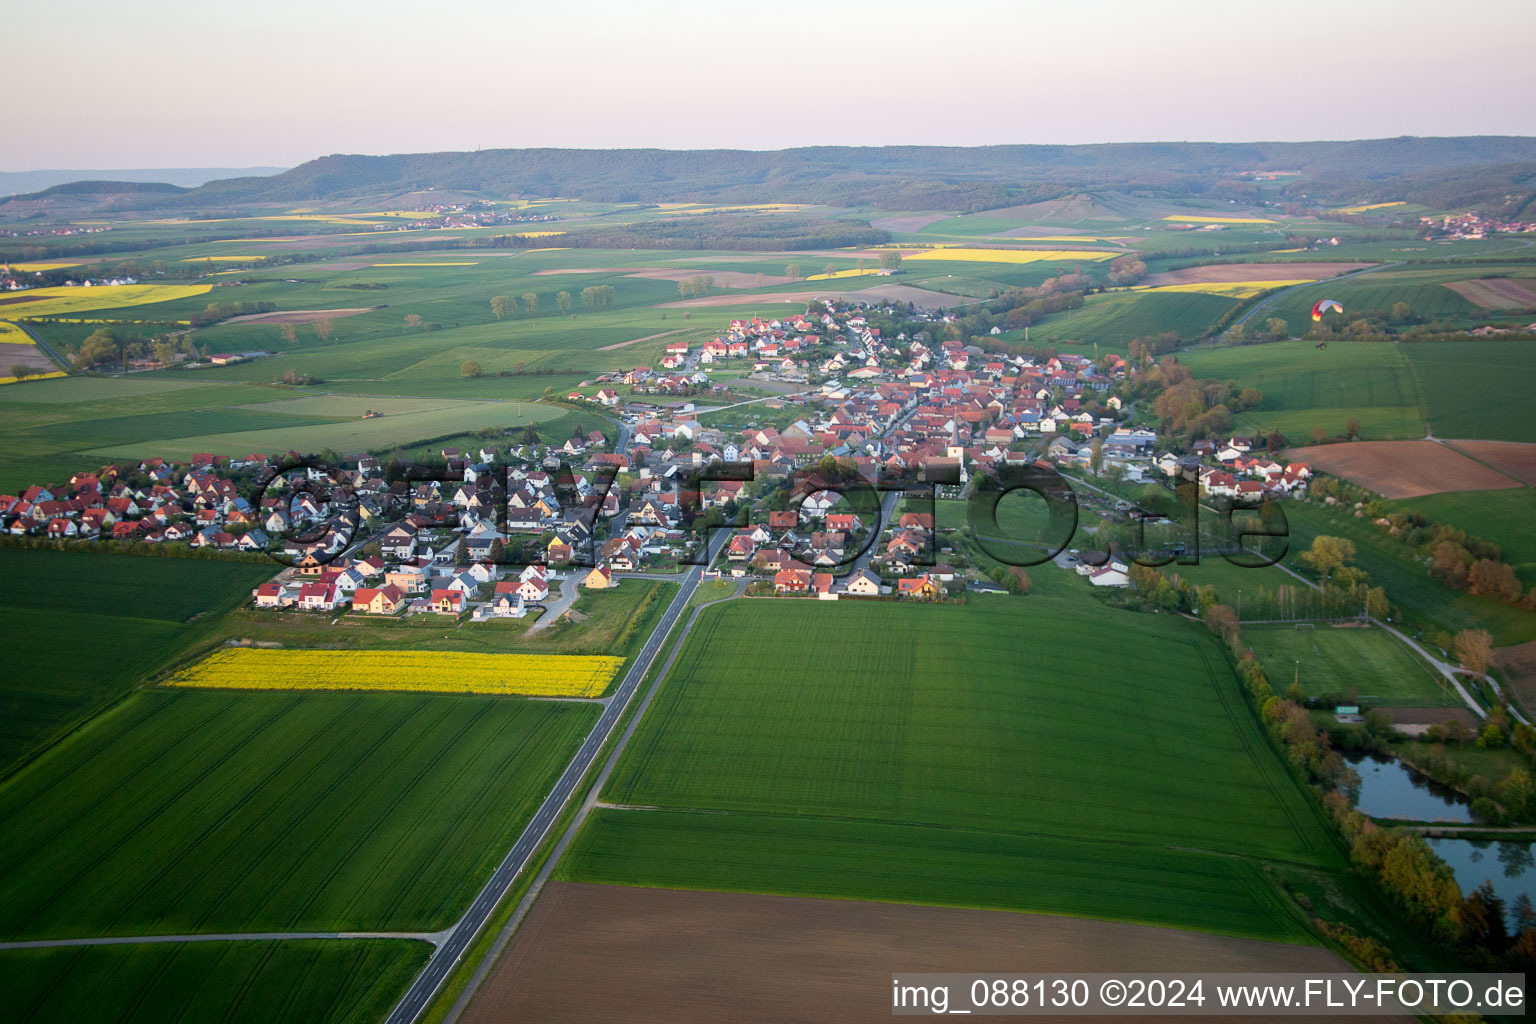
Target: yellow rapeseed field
column 1368, row 206
column 39, row 376
column 62, row 300
column 1011, row 255
column 32, row 265
column 533, row 675
column 10, row 334
column 842, row 273
column 539, row 234
column 1218, row 220
column 1231, row 289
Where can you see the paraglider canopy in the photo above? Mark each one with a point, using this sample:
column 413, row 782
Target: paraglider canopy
column 1324, row 306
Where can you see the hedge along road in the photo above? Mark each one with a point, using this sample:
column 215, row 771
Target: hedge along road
column 459, row 937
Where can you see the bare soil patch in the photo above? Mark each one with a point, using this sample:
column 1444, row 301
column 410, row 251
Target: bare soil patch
column 597, row 952
column 1516, row 458
column 1518, row 663
column 636, row 341
column 1423, row 718
column 1232, row 273
column 914, row 222
column 31, row 356
column 300, row 316
column 1403, row 469
column 1495, row 292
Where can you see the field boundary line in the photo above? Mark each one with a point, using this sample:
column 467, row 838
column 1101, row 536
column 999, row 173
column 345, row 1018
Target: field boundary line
column 136, row 940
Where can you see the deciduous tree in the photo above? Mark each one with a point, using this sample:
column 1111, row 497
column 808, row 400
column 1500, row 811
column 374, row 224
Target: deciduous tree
column 1473, row 646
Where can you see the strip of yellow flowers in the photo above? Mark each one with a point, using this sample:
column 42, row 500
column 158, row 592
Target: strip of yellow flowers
column 533, row 675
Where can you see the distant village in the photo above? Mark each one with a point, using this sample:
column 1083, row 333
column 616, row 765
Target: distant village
column 495, row 527
column 1471, row 226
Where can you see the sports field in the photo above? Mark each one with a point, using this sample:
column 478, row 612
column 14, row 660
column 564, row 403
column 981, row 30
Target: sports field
column 1306, row 387
column 184, row 811
column 937, row 755
column 233, row 982
column 1355, row 661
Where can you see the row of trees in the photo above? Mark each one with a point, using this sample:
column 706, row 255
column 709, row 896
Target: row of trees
column 1454, row 556
column 1400, row 861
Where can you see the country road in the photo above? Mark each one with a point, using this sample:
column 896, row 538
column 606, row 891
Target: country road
column 48, row 349
column 463, row 932
column 526, row 904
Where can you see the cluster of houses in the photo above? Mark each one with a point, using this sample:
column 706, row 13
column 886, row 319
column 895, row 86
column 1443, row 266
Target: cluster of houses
column 1239, row 473
column 196, row 503
column 374, row 586
column 1471, row 226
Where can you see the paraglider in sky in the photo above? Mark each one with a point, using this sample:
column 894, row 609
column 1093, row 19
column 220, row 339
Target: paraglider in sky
column 1324, row 306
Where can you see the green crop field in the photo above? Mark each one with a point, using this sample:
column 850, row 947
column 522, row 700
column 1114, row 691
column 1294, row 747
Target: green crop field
column 341, row 982
column 1375, row 292
column 1113, row 319
column 181, row 812
column 871, row 860
column 1476, row 389
column 894, row 735
column 56, row 427
column 80, row 629
column 349, row 436
column 1355, row 661
column 1306, row 387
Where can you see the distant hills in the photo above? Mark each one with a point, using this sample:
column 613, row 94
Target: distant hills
column 1498, row 170
column 18, row 182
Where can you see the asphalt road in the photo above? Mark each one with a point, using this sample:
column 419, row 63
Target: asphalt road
column 464, row 931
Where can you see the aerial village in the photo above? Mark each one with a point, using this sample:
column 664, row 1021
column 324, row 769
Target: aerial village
column 500, row 529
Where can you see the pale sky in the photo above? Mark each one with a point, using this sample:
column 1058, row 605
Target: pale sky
column 173, row 83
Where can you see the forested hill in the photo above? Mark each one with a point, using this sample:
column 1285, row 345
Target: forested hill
column 905, row 177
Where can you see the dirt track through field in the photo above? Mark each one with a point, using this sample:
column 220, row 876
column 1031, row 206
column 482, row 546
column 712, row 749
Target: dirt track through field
column 1234, row 273
column 601, row 953
column 1403, row 469
column 636, row 341
column 299, row 316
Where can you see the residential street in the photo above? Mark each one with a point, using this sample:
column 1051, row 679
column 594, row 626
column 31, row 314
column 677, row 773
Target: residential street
column 464, row 931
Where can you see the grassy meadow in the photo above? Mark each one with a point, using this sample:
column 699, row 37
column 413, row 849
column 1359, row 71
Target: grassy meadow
column 1306, row 387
